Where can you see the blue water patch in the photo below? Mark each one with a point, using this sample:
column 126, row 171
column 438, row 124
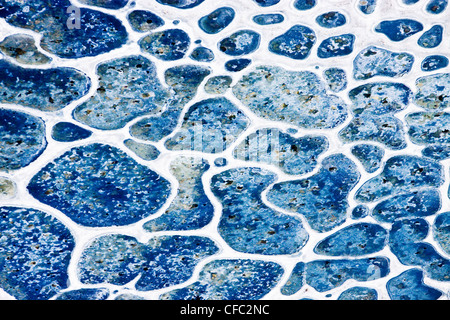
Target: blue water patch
column 437, row 152
column 336, row 46
column 234, row 279
column 266, row 3
column 167, row 45
column 98, row 185
column 360, row 211
column 22, row 139
column 142, row 150
column 429, row 127
column 432, row 37
column 321, row 198
column 296, row 280
column 240, row 43
column 295, row 43
column 191, row 208
column 68, row 132
column 161, row 262
column 374, row 61
column 398, row 30
column 268, row 18
column 332, row 19
column 42, row 89
column 433, row 91
column 143, row 21
column 35, row 251
column 217, row 20
column 247, row 224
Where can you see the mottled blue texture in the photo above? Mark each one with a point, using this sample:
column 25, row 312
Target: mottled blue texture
column 42, row 89
column 405, row 241
column 429, row 127
column 295, row 43
column 181, row 4
column 369, row 155
column 432, row 37
column 209, row 126
column 236, row 65
column 240, row 43
column 441, row 231
column 191, row 209
column 359, row 293
column 143, row 21
column 231, row 280
column 434, row 62
column 291, row 155
column 268, row 18
column 436, row 6
column 420, row 203
column 167, row 45
column 217, row 20
column 266, row 3
column 324, row 275
column 218, row 84
column 22, row 48
column 409, row 285
column 98, row 185
column 109, row 4
column 128, row 87
column 161, row 262
column 142, row 150
column 336, row 79
column 336, row 46
column 437, row 152
column 296, row 280
column 332, row 19
column 398, row 30
column 296, row 97
column 321, row 198
column 374, row 61
column 103, row 31
column 35, row 250
column 401, row 174
column 22, row 139
column 202, row 54
column 360, row 211
column 220, row 162
column 433, row 91
column 84, row 294
column 304, row 4
column 355, row 240
column 182, row 82
column 367, row 6
column 68, row 132
column 247, row 224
